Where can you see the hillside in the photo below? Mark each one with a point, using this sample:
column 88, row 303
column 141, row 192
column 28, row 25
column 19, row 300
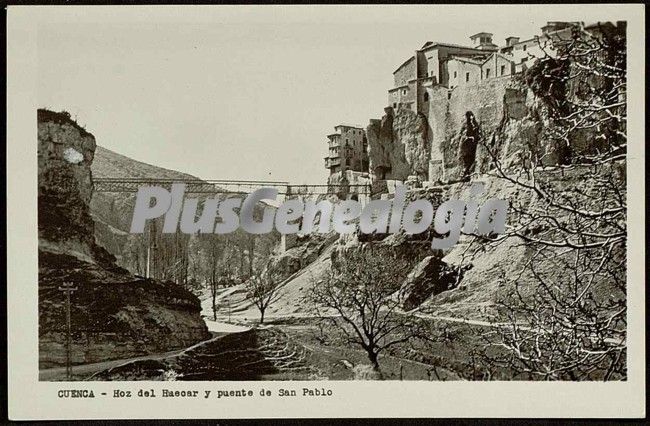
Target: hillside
column 110, row 164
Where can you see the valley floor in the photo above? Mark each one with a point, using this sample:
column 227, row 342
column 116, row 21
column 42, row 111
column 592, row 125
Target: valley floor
column 280, row 351
column 292, row 346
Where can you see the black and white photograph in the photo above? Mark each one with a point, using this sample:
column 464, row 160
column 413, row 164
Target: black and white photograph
column 344, row 194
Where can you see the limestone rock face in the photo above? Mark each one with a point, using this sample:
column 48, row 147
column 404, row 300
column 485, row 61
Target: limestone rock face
column 65, row 153
column 284, row 265
column 410, row 131
column 64, row 148
column 462, row 120
column 348, row 183
column 398, row 145
column 500, row 118
column 444, row 144
column 380, row 141
column 306, row 250
column 114, row 314
column 458, row 131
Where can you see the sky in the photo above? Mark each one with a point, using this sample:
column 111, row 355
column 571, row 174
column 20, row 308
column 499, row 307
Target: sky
column 249, row 92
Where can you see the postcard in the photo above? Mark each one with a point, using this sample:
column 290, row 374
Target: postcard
column 325, row 211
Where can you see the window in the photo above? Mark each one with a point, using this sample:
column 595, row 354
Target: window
column 404, row 92
column 426, row 97
column 487, row 73
column 455, row 74
column 503, row 69
column 394, row 104
column 524, row 47
column 466, row 76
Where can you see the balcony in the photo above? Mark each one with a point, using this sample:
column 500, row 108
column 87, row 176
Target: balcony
column 334, row 152
column 332, row 162
column 334, row 143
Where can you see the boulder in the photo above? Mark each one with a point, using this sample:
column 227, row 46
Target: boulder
column 430, row 276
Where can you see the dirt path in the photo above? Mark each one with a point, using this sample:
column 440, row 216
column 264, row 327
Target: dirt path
column 86, row 371
column 460, row 320
column 496, row 324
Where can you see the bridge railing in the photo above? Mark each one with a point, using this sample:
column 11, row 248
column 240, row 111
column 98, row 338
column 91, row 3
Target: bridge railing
column 215, row 186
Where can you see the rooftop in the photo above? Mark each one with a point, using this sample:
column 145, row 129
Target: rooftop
column 353, row 126
column 480, row 35
column 432, row 44
column 404, row 63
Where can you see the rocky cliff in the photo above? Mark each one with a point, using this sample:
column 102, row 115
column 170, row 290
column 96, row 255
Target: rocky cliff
column 114, row 314
column 399, row 145
column 65, row 153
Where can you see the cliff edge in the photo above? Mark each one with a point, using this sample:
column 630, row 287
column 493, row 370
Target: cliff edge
column 114, row 314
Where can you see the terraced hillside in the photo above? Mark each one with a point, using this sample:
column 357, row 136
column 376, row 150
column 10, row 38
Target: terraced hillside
column 256, row 354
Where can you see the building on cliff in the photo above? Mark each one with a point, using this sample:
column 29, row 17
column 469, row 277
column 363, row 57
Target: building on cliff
column 447, row 97
column 452, row 65
column 348, row 149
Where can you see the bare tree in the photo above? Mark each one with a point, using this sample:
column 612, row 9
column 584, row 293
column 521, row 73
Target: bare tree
column 565, row 318
column 360, row 296
column 251, row 253
column 213, row 256
column 262, row 290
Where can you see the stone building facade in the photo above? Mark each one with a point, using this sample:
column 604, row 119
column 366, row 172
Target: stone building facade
column 450, row 65
column 348, row 149
column 428, row 67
